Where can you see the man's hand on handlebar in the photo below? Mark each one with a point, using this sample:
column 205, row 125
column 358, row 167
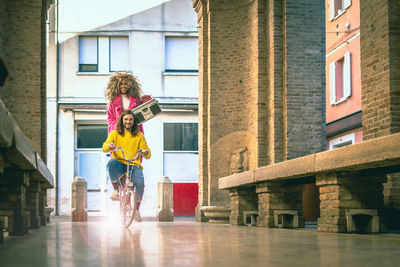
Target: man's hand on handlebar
column 112, row 146
column 145, row 152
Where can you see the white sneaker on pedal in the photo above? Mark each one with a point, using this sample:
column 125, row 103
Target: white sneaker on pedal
column 115, row 195
column 129, row 184
column 137, row 216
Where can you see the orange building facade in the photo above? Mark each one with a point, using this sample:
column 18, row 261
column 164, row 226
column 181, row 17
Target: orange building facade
column 343, row 73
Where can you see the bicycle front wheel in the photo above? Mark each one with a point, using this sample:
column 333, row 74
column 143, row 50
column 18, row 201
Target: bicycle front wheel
column 128, row 208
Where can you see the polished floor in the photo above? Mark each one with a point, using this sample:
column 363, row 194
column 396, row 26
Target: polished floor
column 187, row 243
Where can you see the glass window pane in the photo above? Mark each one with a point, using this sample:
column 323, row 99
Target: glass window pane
column 89, row 169
column 88, row 50
column 182, row 167
column 180, row 137
column 181, row 53
column 119, row 50
column 91, row 136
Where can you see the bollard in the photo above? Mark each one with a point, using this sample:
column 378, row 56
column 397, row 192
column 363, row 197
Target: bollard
column 79, row 200
column 165, row 211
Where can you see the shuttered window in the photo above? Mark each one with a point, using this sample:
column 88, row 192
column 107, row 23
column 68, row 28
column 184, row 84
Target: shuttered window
column 103, row 54
column 88, row 54
column 119, row 54
column 340, row 79
column 181, row 54
column 337, row 7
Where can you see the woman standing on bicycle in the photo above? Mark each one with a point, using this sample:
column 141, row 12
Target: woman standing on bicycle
column 127, row 136
column 123, row 92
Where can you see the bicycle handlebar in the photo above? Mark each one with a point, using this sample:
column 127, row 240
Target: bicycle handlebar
column 140, row 152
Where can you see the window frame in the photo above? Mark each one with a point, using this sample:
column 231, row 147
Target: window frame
column 341, row 141
column 178, row 70
column 86, row 123
column 79, row 54
column 332, row 10
column 179, row 151
column 109, row 53
column 103, row 57
column 190, row 180
column 347, row 80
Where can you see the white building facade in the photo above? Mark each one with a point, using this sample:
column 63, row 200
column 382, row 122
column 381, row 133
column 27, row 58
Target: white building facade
column 157, row 42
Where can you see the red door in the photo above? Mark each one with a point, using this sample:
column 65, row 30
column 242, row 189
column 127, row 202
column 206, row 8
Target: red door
column 185, row 199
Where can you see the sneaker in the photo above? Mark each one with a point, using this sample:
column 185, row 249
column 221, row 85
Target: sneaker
column 115, row 195
column 137, row 216
column 129, row 184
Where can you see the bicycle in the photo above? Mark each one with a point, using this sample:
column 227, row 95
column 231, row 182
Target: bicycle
column 126, row 194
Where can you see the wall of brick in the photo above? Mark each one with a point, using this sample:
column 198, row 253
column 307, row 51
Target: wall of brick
column 380, row 69
column 202, row 19
column 375, row 68
column 340, row 192
column 233, row 59
column 22, row 48
column 394, row 39
column 276, row 129
column 304, row 73
column 261, row 84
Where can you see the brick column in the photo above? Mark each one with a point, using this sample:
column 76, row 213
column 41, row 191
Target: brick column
column 340, row 192
column 42, row 207
column 32, row 203
column 242, row 199
column 13, row 200
column 275, row 196
column 392, row 201
column 202, row 19
column 380, row 65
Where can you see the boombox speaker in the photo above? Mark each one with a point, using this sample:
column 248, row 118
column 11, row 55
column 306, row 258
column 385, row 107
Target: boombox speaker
column 146, row 111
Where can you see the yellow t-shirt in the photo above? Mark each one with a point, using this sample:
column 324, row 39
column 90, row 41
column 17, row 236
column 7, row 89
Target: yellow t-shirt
column 129, row 143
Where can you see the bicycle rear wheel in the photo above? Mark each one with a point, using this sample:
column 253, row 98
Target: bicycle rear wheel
column 128, row 208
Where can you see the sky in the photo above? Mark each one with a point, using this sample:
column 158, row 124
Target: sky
column 84, row 15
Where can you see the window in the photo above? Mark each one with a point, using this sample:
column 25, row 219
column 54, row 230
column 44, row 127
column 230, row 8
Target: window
column 181, row 54
column 88, row 47
column 181, row 151
column 91, row 135
column 103, row 53
column 342, row 141
column 181, row 67
column 340, row 79
column 119, row 53
column 337, row 7
column 180, row 137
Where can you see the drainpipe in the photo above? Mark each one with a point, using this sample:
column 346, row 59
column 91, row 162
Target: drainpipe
column 57, row 111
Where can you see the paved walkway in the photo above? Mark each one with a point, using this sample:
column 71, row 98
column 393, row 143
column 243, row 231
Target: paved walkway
column 187, row 243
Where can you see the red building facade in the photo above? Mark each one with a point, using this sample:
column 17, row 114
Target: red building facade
column 343, row 73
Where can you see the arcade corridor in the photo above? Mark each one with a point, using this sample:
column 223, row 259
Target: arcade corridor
column 188, row 243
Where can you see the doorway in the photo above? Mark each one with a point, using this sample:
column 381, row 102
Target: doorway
column 90, row 164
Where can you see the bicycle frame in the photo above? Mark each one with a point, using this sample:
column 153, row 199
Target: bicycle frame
column 126, row 193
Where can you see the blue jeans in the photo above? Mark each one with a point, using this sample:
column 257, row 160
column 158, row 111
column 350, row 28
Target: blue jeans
column 116, row 169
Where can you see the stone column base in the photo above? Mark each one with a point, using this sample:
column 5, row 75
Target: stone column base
column 278, row 199
column 242, row 200
column 349, row 200
column 290, row 219
column 216, row 214
column 362, row 221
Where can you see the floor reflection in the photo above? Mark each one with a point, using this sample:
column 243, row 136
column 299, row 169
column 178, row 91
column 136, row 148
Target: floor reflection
column 187, row 243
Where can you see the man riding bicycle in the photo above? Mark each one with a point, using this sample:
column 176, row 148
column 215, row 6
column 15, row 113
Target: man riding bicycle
column 127, row 136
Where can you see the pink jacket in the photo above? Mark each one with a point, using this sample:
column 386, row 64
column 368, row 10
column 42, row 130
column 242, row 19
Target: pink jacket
column 114, row 110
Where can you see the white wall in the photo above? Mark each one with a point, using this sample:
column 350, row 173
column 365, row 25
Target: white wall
column 146, row 23
column 66, row 161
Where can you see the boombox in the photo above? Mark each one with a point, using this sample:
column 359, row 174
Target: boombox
column 146, row 111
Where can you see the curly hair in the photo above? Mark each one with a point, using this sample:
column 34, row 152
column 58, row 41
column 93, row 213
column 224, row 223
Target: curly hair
column 120, row 124
column 112, row 89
